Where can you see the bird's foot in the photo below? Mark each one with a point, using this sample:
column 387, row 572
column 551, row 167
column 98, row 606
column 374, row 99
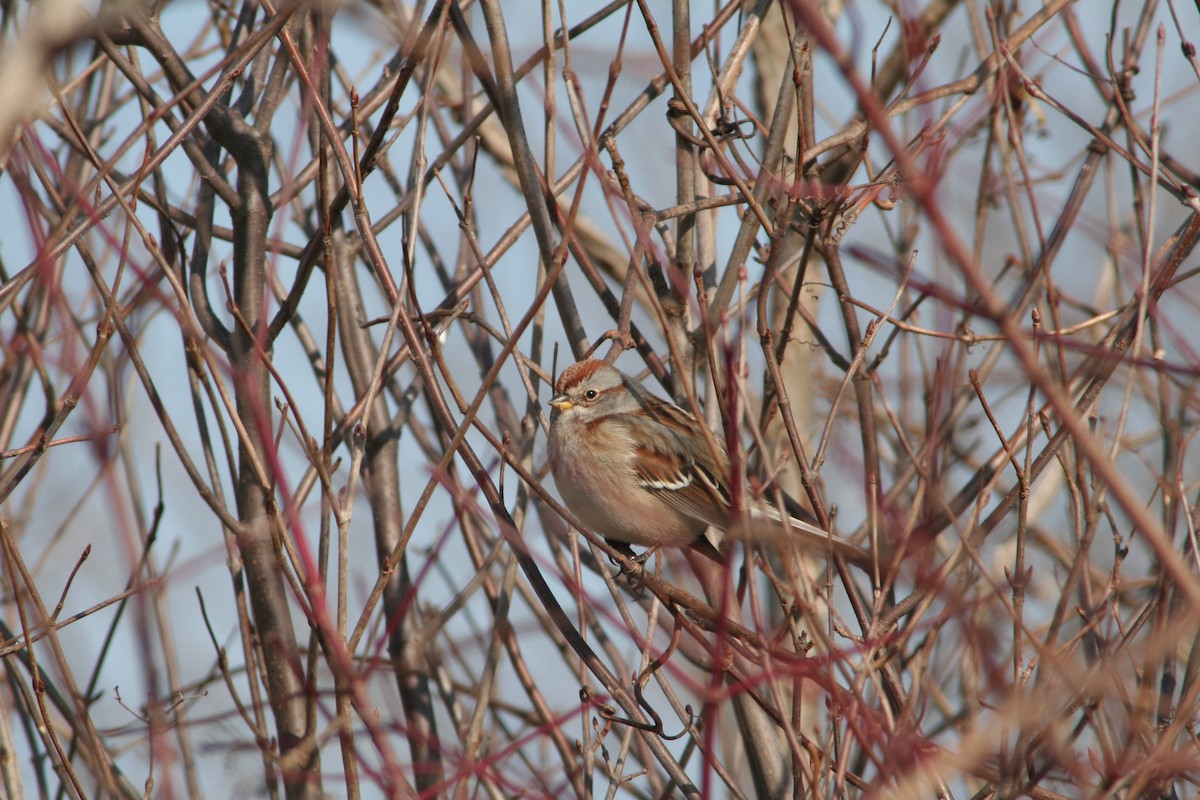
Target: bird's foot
column 632, row 574
column 645, row 556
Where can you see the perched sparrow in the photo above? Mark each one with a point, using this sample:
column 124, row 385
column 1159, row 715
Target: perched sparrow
column 639, row 470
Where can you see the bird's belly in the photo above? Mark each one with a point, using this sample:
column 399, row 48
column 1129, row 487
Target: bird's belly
column 609, row 507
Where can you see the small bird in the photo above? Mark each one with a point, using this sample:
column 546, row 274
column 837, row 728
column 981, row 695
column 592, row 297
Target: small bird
column 639, row 470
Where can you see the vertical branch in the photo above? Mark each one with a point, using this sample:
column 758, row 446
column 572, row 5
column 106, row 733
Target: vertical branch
column 685, row 257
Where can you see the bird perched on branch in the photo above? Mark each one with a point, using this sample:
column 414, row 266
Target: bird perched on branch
column 638, row 469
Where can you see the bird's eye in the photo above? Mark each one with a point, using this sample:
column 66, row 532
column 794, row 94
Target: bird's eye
column 590, row 394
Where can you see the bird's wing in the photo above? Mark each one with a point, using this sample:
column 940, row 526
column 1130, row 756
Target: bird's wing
column 681, row 482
